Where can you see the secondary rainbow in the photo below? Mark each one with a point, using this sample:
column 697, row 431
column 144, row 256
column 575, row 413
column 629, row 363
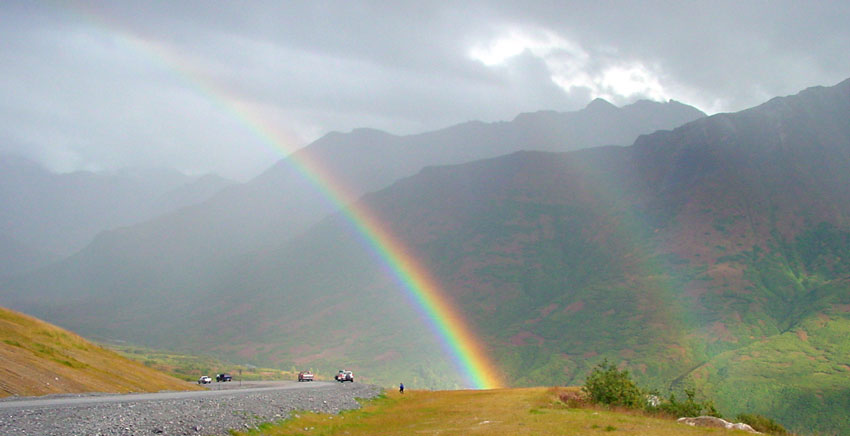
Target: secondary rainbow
column 447, row 323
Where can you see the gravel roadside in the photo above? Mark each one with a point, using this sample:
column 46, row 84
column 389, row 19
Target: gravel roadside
column 195, row 416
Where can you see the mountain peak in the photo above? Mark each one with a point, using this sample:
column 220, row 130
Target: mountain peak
column 19, row 162
column 364, row 131
column 600, row 104
column 645, row 102
column 357, row 134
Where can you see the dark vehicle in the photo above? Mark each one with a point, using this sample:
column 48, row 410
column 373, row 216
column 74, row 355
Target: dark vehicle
column 344, row 376
column 224, row 377
column 305, row 376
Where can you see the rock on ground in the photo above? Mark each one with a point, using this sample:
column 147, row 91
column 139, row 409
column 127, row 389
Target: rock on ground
column 198, row 416
column 710, row 421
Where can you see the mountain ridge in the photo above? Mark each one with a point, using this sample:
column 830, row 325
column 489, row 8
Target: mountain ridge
column 692, row 250
column 58, row 214
column 689, row 249
column 281, row 202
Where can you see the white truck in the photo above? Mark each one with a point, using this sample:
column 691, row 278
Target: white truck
column 344, row 376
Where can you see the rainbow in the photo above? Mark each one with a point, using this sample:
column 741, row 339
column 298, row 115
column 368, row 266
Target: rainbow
column 457, row 340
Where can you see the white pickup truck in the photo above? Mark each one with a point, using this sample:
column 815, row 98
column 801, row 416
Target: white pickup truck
column 344, row 376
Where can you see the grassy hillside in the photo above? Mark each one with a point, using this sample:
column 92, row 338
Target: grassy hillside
column 811, row 357
column 39, row 358
column 531, row 411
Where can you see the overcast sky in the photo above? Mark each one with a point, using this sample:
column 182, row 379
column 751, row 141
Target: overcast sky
column 230, row 86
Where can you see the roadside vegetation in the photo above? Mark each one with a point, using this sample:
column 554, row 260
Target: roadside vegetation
column 529, row 411
column 609, row 403
column 189, row 367
column 609, row 386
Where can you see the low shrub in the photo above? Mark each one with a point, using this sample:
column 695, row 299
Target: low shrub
column 573, row 399
column 689, row 407
column 608, row 385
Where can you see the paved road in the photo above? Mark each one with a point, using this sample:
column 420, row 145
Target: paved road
column 215, row 411
column 214, row 389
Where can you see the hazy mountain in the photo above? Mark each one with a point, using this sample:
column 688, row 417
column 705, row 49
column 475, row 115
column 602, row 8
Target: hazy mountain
column 188, row 248
column 189, row 192
column 714, row 256
column 57, row 214
column 283, row 202
column 16, row 257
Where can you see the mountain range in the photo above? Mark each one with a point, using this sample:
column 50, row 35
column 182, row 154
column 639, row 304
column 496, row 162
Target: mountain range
column 282, row 202
column 45, row 216
column 713, row 256
column 190, row 237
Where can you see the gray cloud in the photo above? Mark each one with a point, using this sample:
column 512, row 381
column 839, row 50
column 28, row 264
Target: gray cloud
column 102, row 85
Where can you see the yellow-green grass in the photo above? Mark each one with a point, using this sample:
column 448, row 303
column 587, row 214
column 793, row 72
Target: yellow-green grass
column 527, row 411
column 37, row 358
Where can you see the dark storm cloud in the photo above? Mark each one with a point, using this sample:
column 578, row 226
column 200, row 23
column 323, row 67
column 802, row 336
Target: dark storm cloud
column 108, row 84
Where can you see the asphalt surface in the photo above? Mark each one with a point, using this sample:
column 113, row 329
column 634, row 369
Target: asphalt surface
column 214, row 389
column 224, row 406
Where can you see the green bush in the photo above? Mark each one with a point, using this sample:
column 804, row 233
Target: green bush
column 689, row 407
column 762, row 424
column 608, row 385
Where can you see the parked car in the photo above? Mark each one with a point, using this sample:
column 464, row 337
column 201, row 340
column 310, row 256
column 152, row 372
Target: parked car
column 305, row 376
column 204, row 380
column 223, row 377
column 344, row 376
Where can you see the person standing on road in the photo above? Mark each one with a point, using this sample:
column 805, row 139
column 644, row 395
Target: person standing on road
column 401, row 388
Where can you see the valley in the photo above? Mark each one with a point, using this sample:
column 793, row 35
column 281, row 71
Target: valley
column 711, row 256
column 483, row 202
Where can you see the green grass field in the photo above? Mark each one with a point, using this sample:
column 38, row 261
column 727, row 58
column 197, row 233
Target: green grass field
column 527, row 411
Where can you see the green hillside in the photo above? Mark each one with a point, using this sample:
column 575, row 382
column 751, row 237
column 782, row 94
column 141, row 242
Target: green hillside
column 39, row 359
column 713, row 256
column 670, row 257
column 811, row 357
